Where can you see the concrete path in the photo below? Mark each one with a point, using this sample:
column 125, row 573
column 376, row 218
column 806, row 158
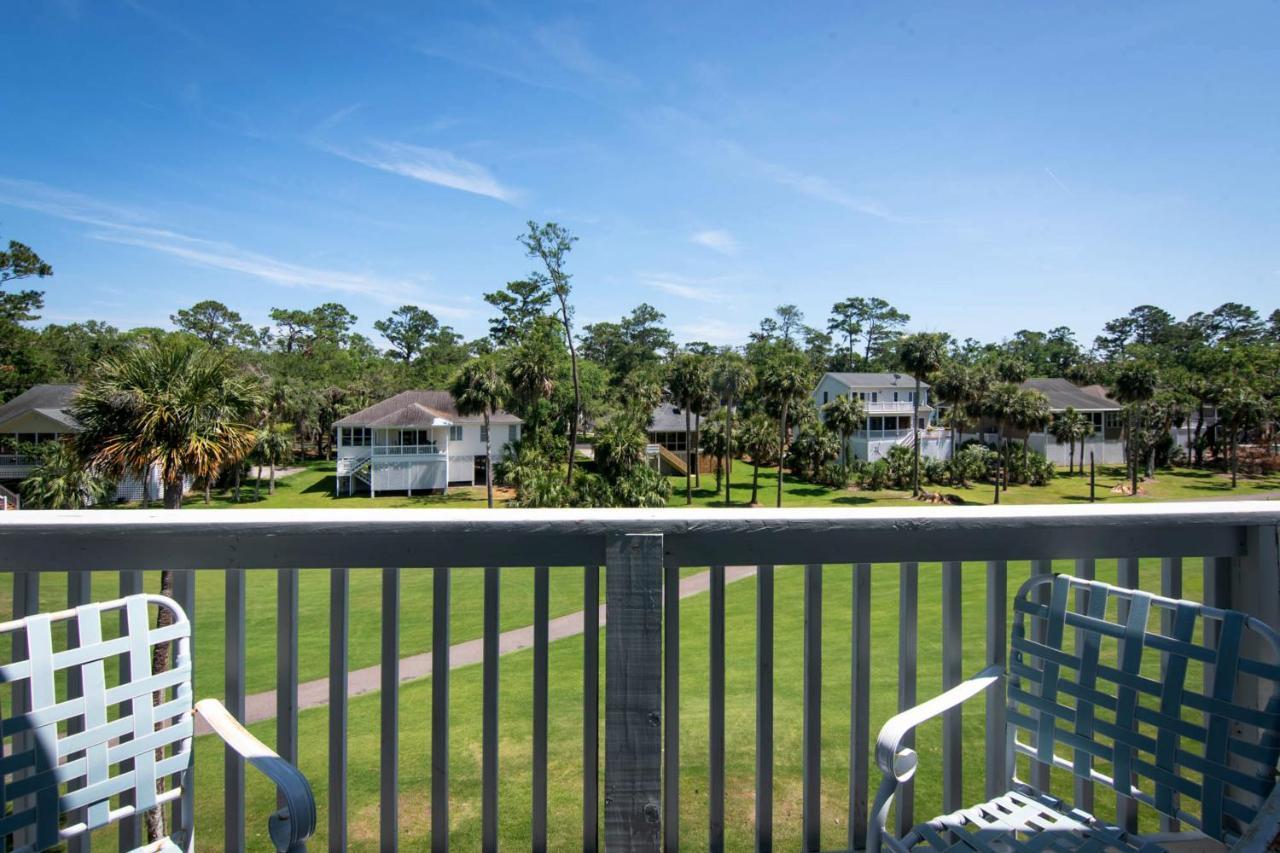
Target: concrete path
column 314, row 694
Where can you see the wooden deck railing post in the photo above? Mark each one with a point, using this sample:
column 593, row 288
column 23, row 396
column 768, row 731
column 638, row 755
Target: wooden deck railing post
column 633, row 693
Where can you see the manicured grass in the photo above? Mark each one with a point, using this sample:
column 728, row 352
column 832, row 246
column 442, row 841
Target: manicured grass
column 566, row 720
column 1174, row 484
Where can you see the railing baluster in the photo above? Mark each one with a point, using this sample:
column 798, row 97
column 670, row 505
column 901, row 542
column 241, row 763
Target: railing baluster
column 233, row 833
column 79, row 591
column 952, row 659
column 130, row 830
column 908, row 645
column 860, row 707
column 715, row 692
column 1170, row 587
column 489, row 717
column 1040, row 771
column 286, row 667
column 591, row 709
column 541, row 615
column 811, row 789
column 26, row 602
column 633, row 725
column 670, row 709
column 440, row 639
column 1126, row 576
column 184, row 808
column 389, row 783
column 997, row 769
column 764, row 709
column 1086, row 569
column 339, row 629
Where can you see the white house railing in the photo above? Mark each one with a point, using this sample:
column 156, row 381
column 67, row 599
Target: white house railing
column 644, row 553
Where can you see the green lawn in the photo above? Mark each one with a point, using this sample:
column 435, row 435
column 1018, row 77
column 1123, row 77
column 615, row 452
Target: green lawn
column 566, row 721
column 1175, row 484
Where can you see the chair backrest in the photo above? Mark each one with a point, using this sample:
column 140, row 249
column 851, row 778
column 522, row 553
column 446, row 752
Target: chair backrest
column 1155, row 693
column 91, row 735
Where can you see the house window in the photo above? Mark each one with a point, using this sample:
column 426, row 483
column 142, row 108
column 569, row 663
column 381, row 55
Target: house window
column 513, row 432
column 875, row 396
column 1112, row 419
column 455, row 433
column 357, row 436
column 824, row 398
column 895, row 396
column 484, row 433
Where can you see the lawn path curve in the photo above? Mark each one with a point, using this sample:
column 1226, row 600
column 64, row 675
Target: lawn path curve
column 315, row 694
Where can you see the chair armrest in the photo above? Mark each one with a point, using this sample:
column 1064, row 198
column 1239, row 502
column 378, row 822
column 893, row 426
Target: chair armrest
column 901, row 763
column 292, row 825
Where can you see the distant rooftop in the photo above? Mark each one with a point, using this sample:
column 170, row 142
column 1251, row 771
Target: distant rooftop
column 1063, row 393
column 877, row 380
column 417, row 409
column 52, row 401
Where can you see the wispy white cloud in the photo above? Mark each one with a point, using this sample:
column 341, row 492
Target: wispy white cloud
column 717, row 240
column 431, row 166
column 130, row 227
column 564, row 43
column 696, row 289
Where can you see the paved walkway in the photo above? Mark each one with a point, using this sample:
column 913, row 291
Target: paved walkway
column 314, row 694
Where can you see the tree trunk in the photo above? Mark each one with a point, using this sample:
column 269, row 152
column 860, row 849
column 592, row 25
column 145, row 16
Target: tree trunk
column 237, row 484
column 728, row 453
column 782, row 451
column 488, row 461
column 915, row 441
column 208, row 490
column 688, row 460
column 1199, row 432
column 755, row 479
column 1071, row 457
column 257, row 484
column 146, row 488
column 697, row 443
column 577, row 391
column 1133, row 455
column 1235, row 457
column 271, row 484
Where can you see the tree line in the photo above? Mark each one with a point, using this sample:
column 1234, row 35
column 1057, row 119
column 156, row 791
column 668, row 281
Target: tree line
column 309, row 367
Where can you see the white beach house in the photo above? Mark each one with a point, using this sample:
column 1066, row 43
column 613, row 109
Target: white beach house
column 890, row 401
column 416, row 442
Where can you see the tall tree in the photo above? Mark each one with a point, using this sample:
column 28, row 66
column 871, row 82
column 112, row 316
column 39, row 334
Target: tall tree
column 689, row 381
column 519, row 305
column 409, row 329
column 214, row 324
column 733, row 379
column 1240, row 408
column 759, row 441
column 845, row 323
column 481, row 389
column 174, row 404
column 790, row 322
column 1135, row 383
column 551, row 244
column 955, row 387
column 784, row 382
column 880, row 323
column 20, row 362
column 921, row 356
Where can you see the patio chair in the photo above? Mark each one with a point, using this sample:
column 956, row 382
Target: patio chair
column 1085, row 696
column 92, row 736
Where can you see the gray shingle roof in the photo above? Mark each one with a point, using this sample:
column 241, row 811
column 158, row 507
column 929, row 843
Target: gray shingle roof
column 1063, row 393
column 877, row 380
column 667, row 418
column 417, row 409
column 52, row 401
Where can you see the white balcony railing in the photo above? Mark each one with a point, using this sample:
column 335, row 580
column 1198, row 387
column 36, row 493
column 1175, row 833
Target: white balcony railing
column 1234, row 544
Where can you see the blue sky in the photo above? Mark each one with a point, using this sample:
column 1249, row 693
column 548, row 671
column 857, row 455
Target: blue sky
column 984, row 166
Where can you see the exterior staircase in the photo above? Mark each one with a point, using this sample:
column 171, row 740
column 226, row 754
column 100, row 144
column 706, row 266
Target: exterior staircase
column 9, row 500
column 673, row 460
column 357, row 467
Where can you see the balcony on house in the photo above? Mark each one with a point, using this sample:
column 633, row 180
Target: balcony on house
column 940, row 578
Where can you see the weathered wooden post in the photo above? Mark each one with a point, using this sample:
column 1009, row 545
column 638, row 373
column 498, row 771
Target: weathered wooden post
column 633, row 693
column 1092, row 480
column 999, row 479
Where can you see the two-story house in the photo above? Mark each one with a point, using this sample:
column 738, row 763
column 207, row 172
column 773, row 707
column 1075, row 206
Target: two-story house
column 40, row 415
column 889, row 399
column 417, row 442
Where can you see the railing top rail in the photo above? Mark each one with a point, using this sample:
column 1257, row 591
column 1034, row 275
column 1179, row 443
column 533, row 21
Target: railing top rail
column 97, row 539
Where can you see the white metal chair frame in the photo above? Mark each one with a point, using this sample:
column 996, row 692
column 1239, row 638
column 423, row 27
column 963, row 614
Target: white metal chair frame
column 67, row 758
column 1055, row 694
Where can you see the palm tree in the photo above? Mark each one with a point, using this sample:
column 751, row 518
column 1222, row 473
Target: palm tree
column 733, row 379
column 61, row 480
column 1066, row 428
column 758, row 442
column 784, row 382
column 955, row 387
column 272, row 445
column 481, row 389
column 1240, row 407
column 171, row 403
column 1031, row 413
column 921, row 355
column 1135, row 383
column 845, row 414
column 714, row 442
column 689, row 382
column 1000, row 404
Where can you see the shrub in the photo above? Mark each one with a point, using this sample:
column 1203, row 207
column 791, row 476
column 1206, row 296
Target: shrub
column 934, row 471
column 899, row 461
column 875, row 476
column 975, row 461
